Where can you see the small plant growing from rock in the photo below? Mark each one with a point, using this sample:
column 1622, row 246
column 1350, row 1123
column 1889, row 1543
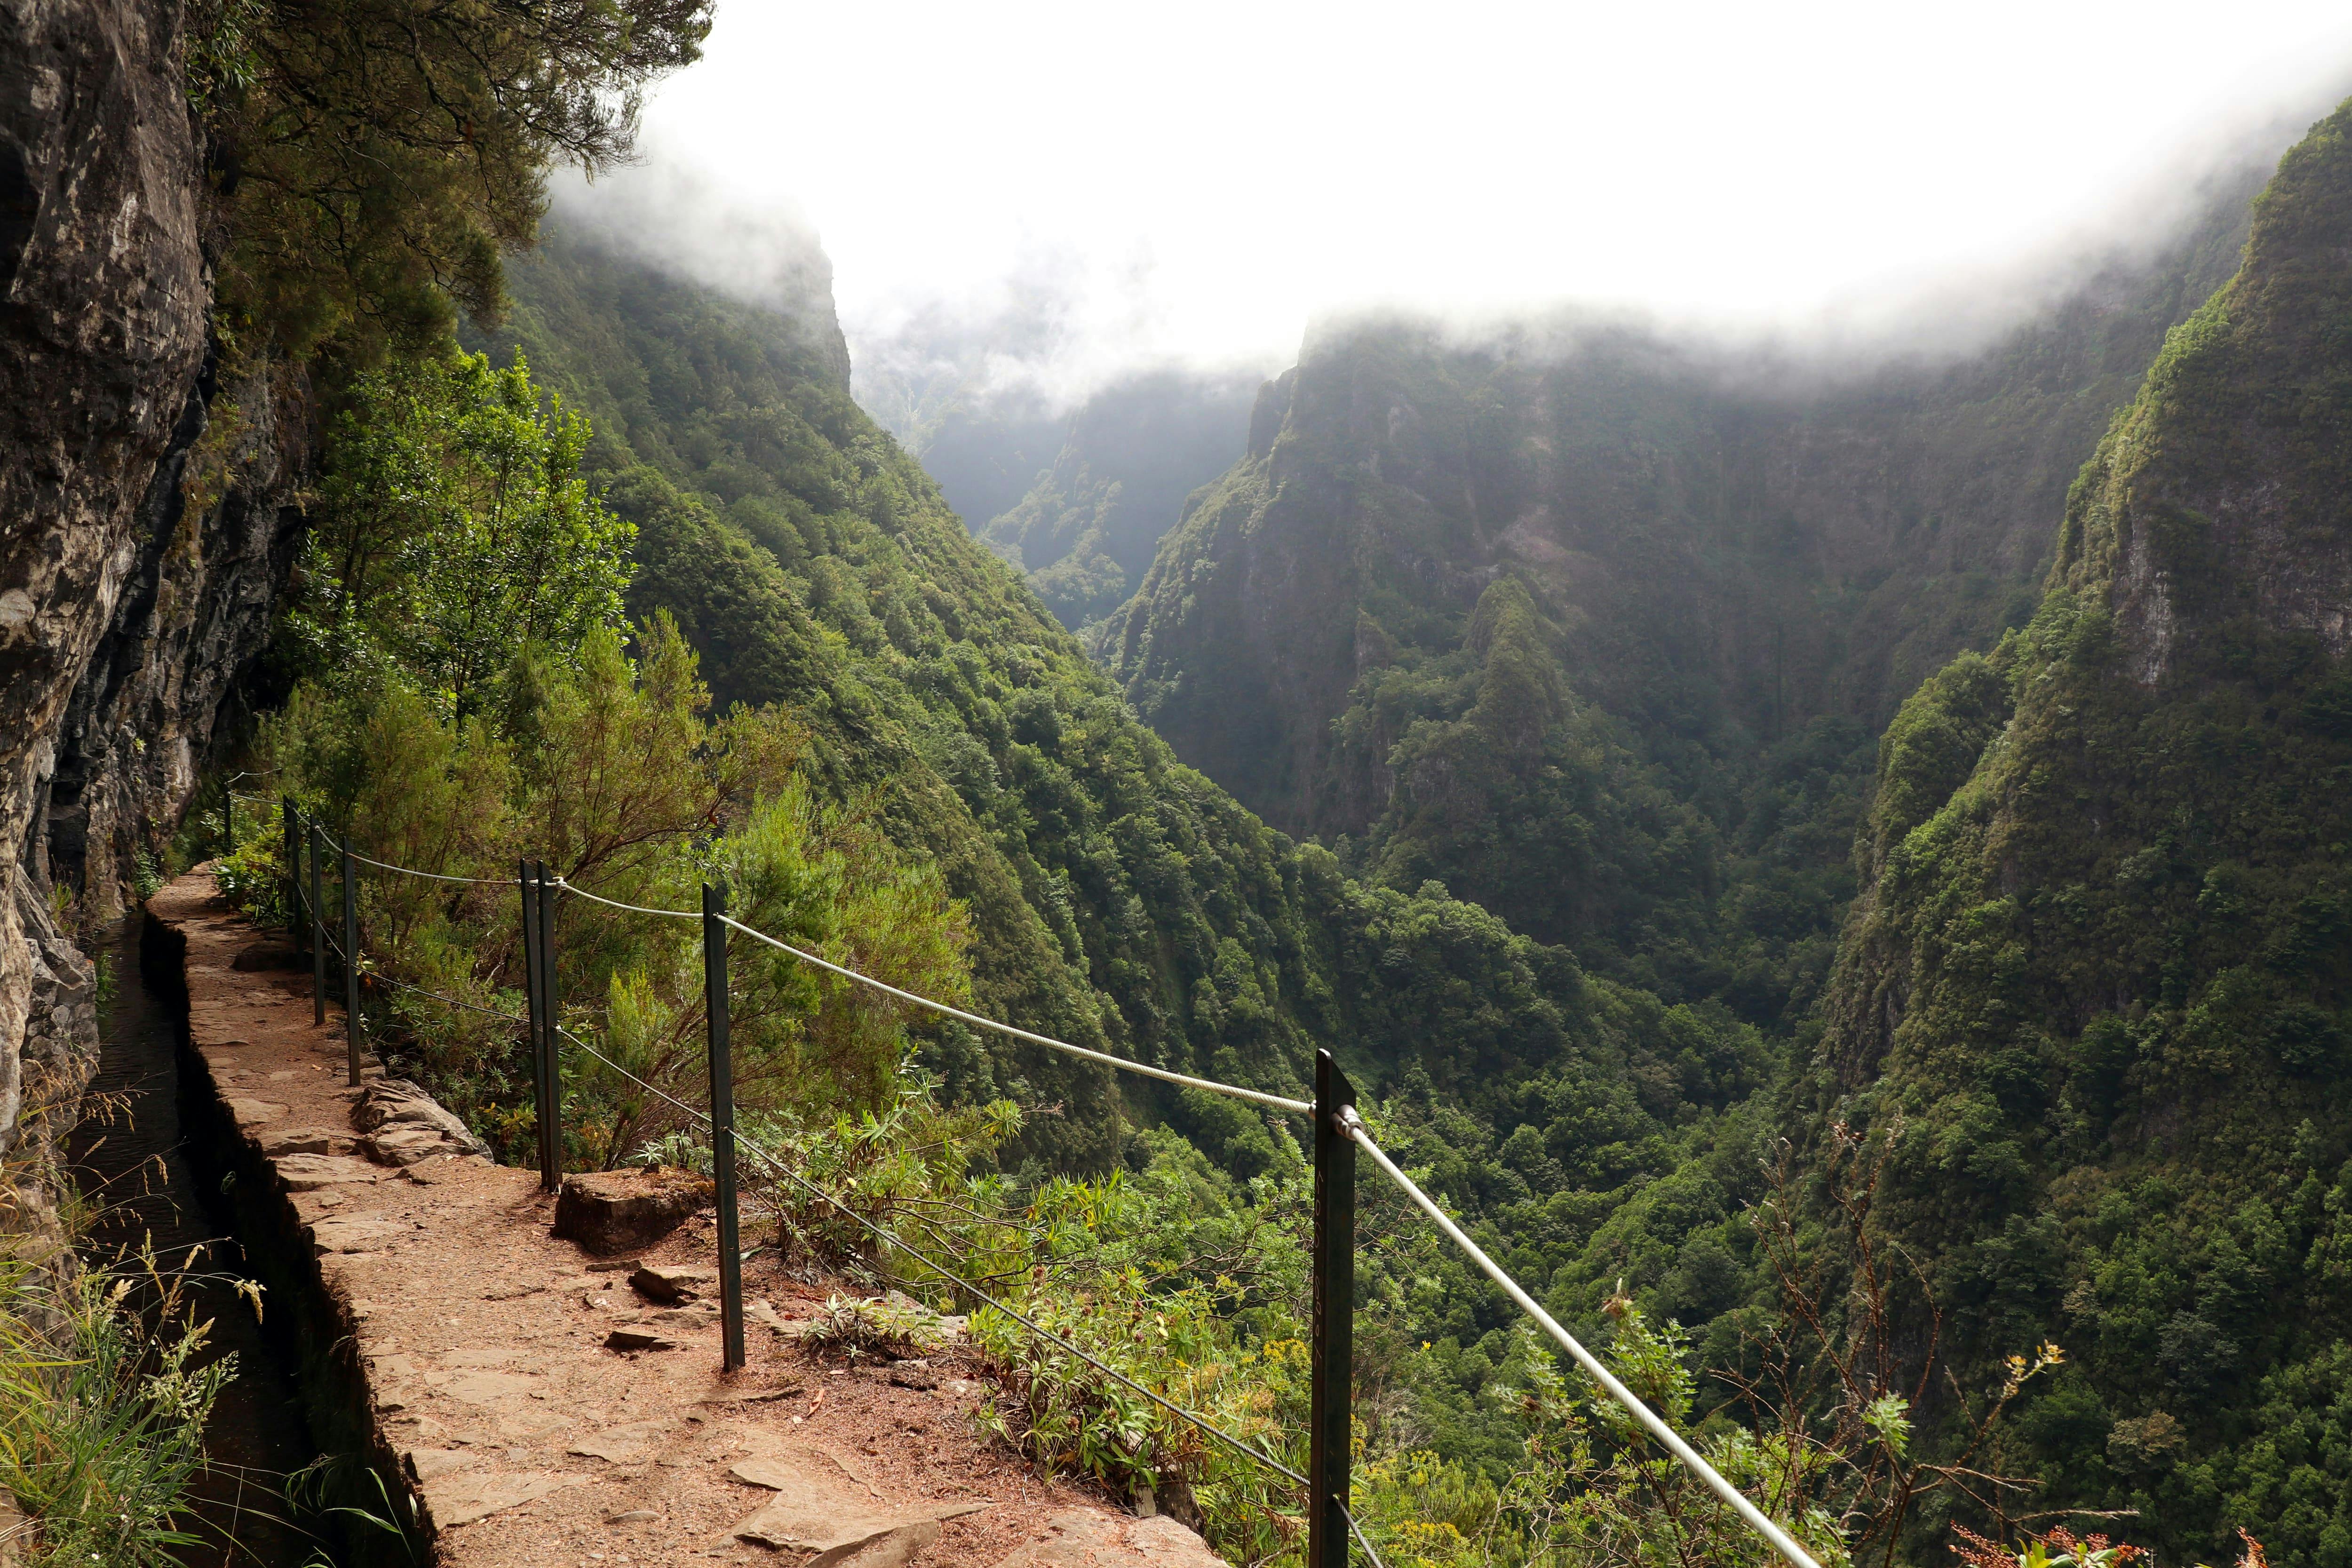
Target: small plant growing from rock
column 872, row 1326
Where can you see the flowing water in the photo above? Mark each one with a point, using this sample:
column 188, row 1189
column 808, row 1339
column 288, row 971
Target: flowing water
column 133, row 1161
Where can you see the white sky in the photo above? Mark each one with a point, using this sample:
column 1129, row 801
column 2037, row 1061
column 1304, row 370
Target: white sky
column 1203, row 180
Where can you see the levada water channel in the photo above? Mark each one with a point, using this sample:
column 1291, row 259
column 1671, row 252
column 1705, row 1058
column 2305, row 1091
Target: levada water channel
column 152, row 1190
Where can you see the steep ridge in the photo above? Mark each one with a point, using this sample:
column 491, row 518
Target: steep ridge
column 2102, row 964
column 1118, row 897
column 1594, row 625
column 1086, row 531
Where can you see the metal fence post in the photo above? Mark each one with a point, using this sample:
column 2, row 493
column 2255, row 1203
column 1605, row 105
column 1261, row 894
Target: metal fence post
column 529, row 886
column 1330, row 1436
column 318, row 928
column 722, row 1126
column 549, row 1087
column 286, row 820
column 350, row 964
column 228, row 819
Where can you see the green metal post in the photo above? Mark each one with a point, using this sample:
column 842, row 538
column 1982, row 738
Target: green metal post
column 318, row 928
column 722, row 1127
column 350, row 965
column 289, row 823
column 1329, row 1436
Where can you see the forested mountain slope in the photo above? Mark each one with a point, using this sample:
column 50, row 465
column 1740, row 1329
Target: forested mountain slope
column 1077, row 496
column 1595, row 626
column 1118, row 897
column 1087, row 530
column 2102, row 966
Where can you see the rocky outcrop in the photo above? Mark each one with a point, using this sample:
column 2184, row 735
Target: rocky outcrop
column 143, row 532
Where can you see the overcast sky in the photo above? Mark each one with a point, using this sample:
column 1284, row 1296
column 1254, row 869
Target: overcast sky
column 1201, row 181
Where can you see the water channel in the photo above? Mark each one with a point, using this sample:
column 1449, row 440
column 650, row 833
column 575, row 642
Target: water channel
column 135, row 1162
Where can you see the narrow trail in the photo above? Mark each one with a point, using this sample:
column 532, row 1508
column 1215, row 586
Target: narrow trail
column 462, row 1347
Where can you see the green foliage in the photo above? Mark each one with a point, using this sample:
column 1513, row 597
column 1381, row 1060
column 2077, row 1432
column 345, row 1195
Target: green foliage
column 253, row 876
column 610, row 772
column 1591, row 1488
column 2103, row 969
column 372, row 157
column 875, row 1326
column 101, row 1416
column 456, row 530
column 1117, row 898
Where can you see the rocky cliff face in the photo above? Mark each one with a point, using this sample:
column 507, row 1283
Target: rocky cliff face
column 144, row 524
column 1593, row 625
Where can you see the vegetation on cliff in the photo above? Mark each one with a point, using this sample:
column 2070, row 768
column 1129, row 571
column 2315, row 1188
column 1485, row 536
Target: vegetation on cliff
column 1085, row 531
column 1595, row 626
column 2102, row 966
column 1114, row 895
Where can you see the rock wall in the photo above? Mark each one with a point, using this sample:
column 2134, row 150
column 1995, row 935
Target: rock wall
column 144, row 524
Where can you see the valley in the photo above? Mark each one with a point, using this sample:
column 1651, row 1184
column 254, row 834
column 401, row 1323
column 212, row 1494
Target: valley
column 1831, row 864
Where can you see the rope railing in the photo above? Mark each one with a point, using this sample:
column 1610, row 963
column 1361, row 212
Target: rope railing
column 1649, row 1419
column 784, row 1168
column 617, row 904
column 1342, row 1126
column 1297, row 1107
column 436, row 876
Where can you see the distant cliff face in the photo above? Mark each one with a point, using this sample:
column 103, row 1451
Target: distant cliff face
column 1726, row 545
column 1539, row 615
column 141, row 536
column 2226, row 496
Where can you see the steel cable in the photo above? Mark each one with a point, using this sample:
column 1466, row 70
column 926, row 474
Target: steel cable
column 616, row 903
column 1297, row 1107
column 1753, row 1517
column 412, row 871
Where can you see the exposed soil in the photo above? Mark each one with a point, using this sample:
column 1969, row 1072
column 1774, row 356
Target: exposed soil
column 482, row 1339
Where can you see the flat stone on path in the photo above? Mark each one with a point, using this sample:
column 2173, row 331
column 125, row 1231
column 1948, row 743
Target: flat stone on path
column 813, row 1511
column 357, row 1232
column 1078, row 1538
column 890, row 1549
column 621, row 1445
column 254, row 1112
column 279, row 1143
column 463, row 1497
column 310, row 1172
column 490, row 1387
column 427, row 1463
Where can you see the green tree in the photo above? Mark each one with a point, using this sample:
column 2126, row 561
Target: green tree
column 457, row 529
column 374, row 156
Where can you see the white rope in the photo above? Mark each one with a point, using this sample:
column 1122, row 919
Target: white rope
column 436, row 876
column 1755, row 1517
column 616, row 903
column 1297, row 1107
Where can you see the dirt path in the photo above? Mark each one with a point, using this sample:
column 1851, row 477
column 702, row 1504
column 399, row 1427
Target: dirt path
column 478, row 1342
